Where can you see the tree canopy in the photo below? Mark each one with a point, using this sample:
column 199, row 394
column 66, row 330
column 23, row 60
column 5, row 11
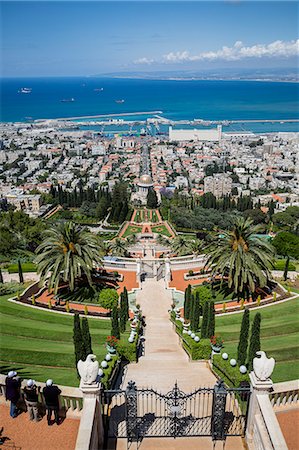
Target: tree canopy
column 241, row 258
column 67, row 253
column 287, row 244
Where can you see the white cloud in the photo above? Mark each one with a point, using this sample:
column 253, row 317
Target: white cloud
column 144, row 61
column 238, row 51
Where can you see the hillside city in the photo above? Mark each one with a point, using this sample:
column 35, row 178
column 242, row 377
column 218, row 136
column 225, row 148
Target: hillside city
column 35, row 157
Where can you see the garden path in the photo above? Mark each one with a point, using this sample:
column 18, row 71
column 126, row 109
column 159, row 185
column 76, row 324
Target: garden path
column 164, row 361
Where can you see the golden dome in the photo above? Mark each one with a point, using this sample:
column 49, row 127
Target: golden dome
column 146, row 179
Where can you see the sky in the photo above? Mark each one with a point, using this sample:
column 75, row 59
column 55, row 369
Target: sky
column 74, row 38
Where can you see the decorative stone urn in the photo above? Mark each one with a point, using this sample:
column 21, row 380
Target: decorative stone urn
column 177, row 313
column 186, row 326
column 216, row 348
column 111, row 350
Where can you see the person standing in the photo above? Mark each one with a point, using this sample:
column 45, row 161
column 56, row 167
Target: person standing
column 31, row 400
column 51, row 394
column 12, row 393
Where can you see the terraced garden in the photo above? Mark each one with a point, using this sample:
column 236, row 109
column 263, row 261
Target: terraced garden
column 132, row 229
column 161, row 229
column 279, row 336
column 39, row 344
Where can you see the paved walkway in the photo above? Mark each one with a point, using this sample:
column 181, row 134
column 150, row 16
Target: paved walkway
column 164, row 362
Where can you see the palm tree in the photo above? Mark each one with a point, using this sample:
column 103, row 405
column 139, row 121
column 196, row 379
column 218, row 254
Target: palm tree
column 67, row 253
column 197, row 246
column 182, row 246
column 241, row 258
column 119, row 247
column 162, row 240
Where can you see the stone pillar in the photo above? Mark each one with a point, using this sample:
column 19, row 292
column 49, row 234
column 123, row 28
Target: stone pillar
column 167, row 269
column 138, row 270
column 258, row 387
column 91, row 430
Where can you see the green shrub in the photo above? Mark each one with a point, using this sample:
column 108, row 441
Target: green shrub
column 127, row 350
column 231, row 375
column 10, row 288
column 108, row 372
column 108, row 298
column 198, row 350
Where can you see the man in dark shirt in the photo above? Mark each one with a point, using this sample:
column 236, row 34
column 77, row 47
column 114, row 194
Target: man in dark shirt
column 51, row 394
column 31, row 399
column 12, row 393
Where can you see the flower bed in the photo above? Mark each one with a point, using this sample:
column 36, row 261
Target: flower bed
column 196, row 275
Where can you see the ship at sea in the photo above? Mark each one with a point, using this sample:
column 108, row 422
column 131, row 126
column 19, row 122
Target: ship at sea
column 119, row 101
column 98, row 89
column 67, row 100
column 25, row 91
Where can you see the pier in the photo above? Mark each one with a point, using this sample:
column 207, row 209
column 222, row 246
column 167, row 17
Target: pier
column 102, row 115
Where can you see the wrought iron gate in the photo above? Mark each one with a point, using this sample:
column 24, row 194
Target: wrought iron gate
column 160, row 272
column 139, row 413
column 148, row 268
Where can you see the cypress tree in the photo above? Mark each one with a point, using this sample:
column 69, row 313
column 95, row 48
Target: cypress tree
column 123, row 313
column 78, row 340
column 243, row 340
column 255, row 343
column 196, row 312
column 286, row 269
column 115, row 323
column 21, row 278
column 191, row 314
column 187, row 303
column 204, row 323
column 126, row 299
column 1, row 277
column 86, row 337
column 211, row 320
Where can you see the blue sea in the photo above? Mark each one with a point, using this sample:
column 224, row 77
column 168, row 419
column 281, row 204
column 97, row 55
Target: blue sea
column 208, row 100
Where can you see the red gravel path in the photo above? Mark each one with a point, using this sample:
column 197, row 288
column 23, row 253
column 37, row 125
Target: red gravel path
column 26, row 435
column 129, row 281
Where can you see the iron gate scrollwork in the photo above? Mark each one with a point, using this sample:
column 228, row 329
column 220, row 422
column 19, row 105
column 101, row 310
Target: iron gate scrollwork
column 139, row 413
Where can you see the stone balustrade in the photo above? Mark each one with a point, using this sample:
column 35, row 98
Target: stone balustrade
column 71, row 398
column 285, row 394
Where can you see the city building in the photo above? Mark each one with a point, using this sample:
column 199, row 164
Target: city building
column 213, row 135
column 219, row 184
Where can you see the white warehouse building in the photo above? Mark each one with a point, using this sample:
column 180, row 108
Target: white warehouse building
column 194, row 134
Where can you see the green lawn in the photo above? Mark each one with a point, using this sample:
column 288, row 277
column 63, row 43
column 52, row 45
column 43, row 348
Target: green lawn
column 38, row 344
column 132, row 229
column 161, row 229
column 279, row 336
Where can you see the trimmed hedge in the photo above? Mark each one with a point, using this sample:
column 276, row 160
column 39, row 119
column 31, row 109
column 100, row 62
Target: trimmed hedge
column 196, row 350
column 26, row 267
column 230, row 374
column 280, row 265
column 109, row 371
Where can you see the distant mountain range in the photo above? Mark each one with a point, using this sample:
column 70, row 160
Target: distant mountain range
column 280, row 74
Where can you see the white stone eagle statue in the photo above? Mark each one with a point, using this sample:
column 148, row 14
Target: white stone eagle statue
column 88, row 369
column 263, row 366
